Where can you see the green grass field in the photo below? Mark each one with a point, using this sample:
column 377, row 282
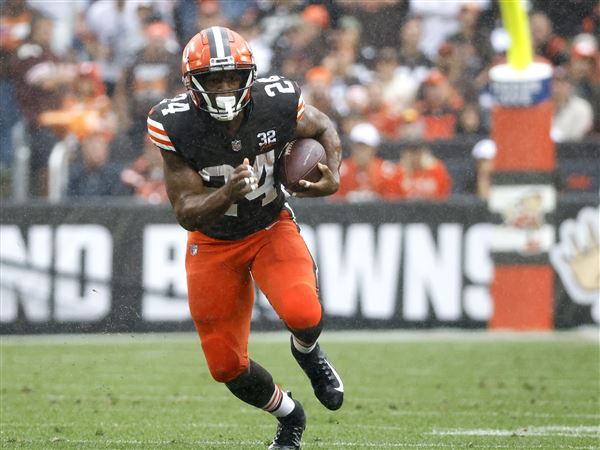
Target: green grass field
column 403, row 390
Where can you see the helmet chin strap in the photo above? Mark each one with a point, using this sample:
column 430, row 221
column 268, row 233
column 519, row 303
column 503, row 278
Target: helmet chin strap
column 227, row 103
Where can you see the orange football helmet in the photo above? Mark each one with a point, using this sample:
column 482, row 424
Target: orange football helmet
column 218, row 49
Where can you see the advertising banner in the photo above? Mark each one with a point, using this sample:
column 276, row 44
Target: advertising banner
column 118, row 267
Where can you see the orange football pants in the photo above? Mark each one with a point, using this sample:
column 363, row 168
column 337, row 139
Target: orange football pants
column 220, row 278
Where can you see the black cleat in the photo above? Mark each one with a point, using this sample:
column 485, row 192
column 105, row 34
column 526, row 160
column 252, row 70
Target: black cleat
column 326, row 383
column 290, row 429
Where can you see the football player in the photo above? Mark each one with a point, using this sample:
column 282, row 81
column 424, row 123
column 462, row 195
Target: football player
column 220, row 143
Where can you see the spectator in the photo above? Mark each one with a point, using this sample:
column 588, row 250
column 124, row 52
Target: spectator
column 86, row 108
column 15, row 25
column 276, row 16
column 145, row 176
column 573, row 116
column 15, row 20
column 469, row 121
column 545, row 42
column 584, row 71
column 439, row 107
column 301, row 47
column 412, row 61
column 412, row 127
column 473, row 32
column 379, row 20
column 67, row 17
column 363, row 174
column 392, row 92
column 463, row 53
column 347, row 34
column 440, row 20
column 391, row 118
column 398, row 86
column 357, row 103
column 148, row 79
column 367, row 65
column 263, row 54
column 381, row 113
column 93, row 174
column 591, row 22
column 185, row 16
column 348, row 73
column 235, row 11
column 210, row 14
column 566, row 15
column 316, row 91
column 480, row 179
column 118, row 29
column 40, row 80
column 418, row 175
column 459, row 62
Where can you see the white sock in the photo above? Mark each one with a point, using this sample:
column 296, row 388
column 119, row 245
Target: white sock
column 301, row 346
column 280, row 404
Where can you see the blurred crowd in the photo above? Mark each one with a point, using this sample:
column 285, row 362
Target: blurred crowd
column 410, row 71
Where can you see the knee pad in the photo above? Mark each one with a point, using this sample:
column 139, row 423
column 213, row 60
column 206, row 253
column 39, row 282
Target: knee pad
column 301, row 307
column 225, row 361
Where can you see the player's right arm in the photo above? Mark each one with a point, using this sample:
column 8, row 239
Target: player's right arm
column 194, row 205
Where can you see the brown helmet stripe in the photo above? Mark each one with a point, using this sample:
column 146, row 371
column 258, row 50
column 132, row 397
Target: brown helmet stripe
column 218, row 42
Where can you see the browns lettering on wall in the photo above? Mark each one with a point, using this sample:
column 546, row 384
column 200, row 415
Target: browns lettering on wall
column 120, row 268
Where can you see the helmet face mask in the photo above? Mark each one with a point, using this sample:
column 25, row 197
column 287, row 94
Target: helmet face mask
column 218, row 50
column 223, row 94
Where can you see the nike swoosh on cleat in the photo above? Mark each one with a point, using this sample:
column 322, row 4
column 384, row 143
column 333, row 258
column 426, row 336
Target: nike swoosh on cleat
column 341, row 388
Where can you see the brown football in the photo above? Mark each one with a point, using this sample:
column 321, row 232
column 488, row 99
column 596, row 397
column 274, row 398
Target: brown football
column 299, row 161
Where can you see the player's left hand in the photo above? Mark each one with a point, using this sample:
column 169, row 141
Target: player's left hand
column 327, row 185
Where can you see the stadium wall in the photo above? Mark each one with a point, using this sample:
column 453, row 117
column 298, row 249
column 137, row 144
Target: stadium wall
column 118, row 267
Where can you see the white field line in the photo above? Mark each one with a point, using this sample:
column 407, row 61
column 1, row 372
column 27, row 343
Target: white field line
column 550, row 430
column 584, row 334
column 228, row 444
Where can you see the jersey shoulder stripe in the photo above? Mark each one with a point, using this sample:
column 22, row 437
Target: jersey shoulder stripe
column 300, row 112
column 168, row 121
column 158, row 135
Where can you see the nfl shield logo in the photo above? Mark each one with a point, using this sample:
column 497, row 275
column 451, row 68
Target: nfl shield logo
column 236, row 145
column 193, row 249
